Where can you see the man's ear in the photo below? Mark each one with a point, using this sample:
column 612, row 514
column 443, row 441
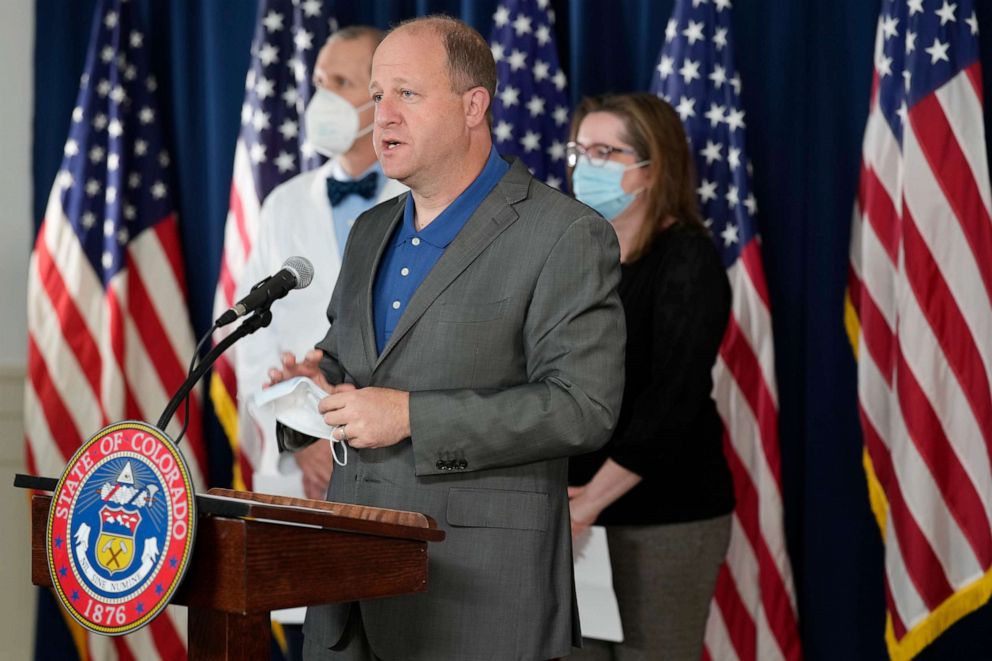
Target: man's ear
column 476, row 103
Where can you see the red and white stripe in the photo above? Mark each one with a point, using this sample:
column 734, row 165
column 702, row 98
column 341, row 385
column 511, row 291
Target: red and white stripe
column 753, row 613
column 920, row 282
column 239, row 236
column 99, row 355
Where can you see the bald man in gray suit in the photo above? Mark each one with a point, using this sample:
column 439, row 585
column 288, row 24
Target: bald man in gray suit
column 476, row 341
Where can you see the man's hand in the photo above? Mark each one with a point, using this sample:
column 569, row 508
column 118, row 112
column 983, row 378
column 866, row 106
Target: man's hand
column 368, row 417
column 317, row 465
column 310, row 367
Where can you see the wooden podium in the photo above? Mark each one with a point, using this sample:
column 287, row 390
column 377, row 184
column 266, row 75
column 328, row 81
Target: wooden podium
column 256, row 553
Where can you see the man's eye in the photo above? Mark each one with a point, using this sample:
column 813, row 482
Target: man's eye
column 376, row 98
column 406, row 94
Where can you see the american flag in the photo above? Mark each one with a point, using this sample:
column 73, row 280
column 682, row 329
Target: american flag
column 109, row 332
column 753, row 614
column 531, row 110
column 920, row 317
column 271, row 148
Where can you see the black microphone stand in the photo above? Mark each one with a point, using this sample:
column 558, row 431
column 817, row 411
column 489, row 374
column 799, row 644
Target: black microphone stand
column 261, row 319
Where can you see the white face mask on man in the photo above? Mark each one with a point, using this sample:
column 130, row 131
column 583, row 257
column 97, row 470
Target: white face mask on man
column 332, row 123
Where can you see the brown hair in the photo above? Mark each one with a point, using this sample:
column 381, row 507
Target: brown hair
column 351, row 32
column 470, row 61
column 654, row 130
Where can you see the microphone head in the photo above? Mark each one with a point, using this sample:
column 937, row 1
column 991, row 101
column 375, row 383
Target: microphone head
column 301, row 268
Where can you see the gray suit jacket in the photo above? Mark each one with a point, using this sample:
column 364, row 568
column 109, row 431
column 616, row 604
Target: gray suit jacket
column 513, row 351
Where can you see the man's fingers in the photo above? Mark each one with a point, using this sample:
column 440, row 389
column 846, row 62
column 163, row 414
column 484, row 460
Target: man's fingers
column 331, row 403
column 359, row 442
column 374, row 417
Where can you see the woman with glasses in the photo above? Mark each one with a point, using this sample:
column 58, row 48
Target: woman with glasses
column 661, row 486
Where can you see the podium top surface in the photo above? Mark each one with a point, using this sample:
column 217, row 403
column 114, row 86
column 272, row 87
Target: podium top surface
column 337, row 516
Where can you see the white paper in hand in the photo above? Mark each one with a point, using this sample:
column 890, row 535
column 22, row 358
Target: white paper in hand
column 599, row 613
column 294, row 404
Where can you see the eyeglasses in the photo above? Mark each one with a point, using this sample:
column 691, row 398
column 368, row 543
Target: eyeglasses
column 597, row 155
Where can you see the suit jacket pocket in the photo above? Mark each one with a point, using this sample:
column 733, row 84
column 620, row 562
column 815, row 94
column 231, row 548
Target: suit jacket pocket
column 472, row 312
column 495, row 508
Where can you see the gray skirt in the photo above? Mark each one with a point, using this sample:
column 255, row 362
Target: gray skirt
column 664, row 578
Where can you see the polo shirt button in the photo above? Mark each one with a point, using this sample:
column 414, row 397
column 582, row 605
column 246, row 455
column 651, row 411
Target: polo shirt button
column 396, row 305
column 404, row 271
column 415, row 241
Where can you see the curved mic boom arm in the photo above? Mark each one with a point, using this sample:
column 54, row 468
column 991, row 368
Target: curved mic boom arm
column 260, row 319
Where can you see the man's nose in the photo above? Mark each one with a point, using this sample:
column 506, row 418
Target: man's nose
column 385, row 112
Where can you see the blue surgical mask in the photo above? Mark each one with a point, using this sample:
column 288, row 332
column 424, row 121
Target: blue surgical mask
column 599, row 186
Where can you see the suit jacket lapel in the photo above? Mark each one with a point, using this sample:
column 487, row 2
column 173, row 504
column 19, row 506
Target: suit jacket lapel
column 368, row 325
column 493, row 216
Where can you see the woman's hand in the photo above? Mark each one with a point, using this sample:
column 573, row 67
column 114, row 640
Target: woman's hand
column 587, row 502
column 582, row 510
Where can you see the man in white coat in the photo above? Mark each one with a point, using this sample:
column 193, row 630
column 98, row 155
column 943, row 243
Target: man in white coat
column 310, row 215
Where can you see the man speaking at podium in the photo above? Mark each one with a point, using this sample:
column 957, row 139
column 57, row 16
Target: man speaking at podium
column 477, row 326
column 310, row 215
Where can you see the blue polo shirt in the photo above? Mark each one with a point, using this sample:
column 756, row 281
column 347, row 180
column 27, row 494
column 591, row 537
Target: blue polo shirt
column 411, row 255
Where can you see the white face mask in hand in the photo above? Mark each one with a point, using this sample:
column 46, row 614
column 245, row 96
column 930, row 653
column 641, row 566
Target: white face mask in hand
column 294, row 404
column 332, row 123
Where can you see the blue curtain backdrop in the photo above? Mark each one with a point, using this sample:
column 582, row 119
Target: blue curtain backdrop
column 806, row 70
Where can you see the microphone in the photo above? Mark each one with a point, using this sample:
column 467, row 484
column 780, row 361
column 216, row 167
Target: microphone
column 296, row 273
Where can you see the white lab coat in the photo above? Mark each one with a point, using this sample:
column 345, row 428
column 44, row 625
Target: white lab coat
column 296, row 219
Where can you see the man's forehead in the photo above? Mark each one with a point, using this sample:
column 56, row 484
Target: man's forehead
column 407, row 45
column 337, row 61
column 409, row 55
column 387, row 77
column 403, row 70
column 357, row 47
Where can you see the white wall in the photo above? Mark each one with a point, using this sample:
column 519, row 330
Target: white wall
column 16, row 108
column 17, row 595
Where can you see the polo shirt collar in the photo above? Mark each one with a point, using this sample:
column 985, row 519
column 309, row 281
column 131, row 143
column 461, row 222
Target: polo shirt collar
column 449, row 222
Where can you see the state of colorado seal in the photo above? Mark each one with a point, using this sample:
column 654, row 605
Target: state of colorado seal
column 121, row 528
